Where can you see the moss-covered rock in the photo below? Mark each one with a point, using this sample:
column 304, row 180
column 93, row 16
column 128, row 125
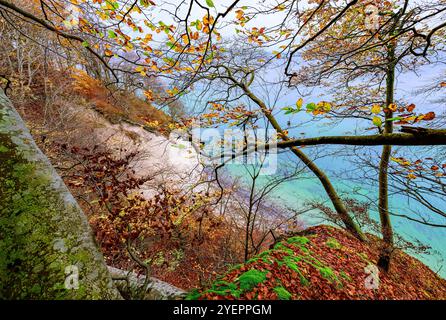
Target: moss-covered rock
column 45, row 240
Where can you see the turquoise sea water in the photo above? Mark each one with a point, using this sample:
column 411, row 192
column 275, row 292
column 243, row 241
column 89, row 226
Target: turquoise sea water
column 295, row 193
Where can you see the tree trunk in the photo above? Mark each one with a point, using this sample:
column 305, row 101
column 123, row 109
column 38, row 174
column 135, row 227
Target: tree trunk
column 383, row 202
column 338, row 204
column 350, row 225
column 47, row 250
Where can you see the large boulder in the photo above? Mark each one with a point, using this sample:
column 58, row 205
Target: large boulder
column 47, row 250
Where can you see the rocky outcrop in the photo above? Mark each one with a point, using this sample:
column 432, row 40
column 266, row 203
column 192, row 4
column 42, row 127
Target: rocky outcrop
column 156, row 289
column 47, row 250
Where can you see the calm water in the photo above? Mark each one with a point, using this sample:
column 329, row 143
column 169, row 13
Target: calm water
column 295, row 193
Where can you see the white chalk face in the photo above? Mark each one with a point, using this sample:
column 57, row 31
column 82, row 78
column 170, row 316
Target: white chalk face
column 230, row 146
column 181, row 152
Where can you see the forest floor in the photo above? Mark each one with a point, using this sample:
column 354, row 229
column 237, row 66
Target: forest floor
column 320, row 263
column 326, row 263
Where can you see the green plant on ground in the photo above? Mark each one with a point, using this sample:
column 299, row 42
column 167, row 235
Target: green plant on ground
column 251, row 278
column 282, row 293
column 333, row 243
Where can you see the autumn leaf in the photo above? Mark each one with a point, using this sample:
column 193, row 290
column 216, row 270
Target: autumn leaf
column 377, row 121
column 299, row 104
column 410, row 108
column 411, row 176
column 185, row 39
column 393, row 107
column 141, row 70
column 198, row 25
column 326, row 106
column 239, row 14
column 149, row 95
column 277, row 54
column 429, row 116
column 376, row 109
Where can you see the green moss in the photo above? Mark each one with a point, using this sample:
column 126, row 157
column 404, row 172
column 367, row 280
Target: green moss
column 252, row 260
column 220, row 287
column 282, row 293
column 265, row 256
column 251, row 278
column 304, row 281
column 300, row 241
column 328, row 273
column 281, row 247
column 224, row 288
column 193, row 295
column 290, row 262
column 235, row 267
column 364, row 257
column 345, row 276
column 333, row 243
column 292, row 259
column 33, row 215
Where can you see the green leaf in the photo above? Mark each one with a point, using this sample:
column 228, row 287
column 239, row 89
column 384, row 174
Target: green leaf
column 210, row 3
column 115, row 5
column 111, row 34
column 169, row 60
column 289, row 110
column 377, row 121
column 311, row 107
column 395, row 119
column 85, row 44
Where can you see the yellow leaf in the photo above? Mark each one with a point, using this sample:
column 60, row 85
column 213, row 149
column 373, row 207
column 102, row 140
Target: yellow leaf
column 377, row 121
column 299, row 103
column 376, row 109
column 148, row 37
column 326, row 106
column 392, row 107
column 240, row 14
column 185, row 38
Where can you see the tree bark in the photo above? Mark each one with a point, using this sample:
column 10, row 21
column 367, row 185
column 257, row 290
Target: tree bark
column 415, row 136
column 350, row 225
column 47, row 250
column 383, row 202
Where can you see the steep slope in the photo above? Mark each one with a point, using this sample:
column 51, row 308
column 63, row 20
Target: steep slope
column 44, row 234
column 325, row 263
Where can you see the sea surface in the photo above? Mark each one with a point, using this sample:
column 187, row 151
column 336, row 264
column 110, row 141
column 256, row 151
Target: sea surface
column 295, row 194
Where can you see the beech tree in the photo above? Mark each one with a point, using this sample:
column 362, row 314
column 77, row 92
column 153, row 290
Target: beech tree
column 392, row 38
column 187, row 48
